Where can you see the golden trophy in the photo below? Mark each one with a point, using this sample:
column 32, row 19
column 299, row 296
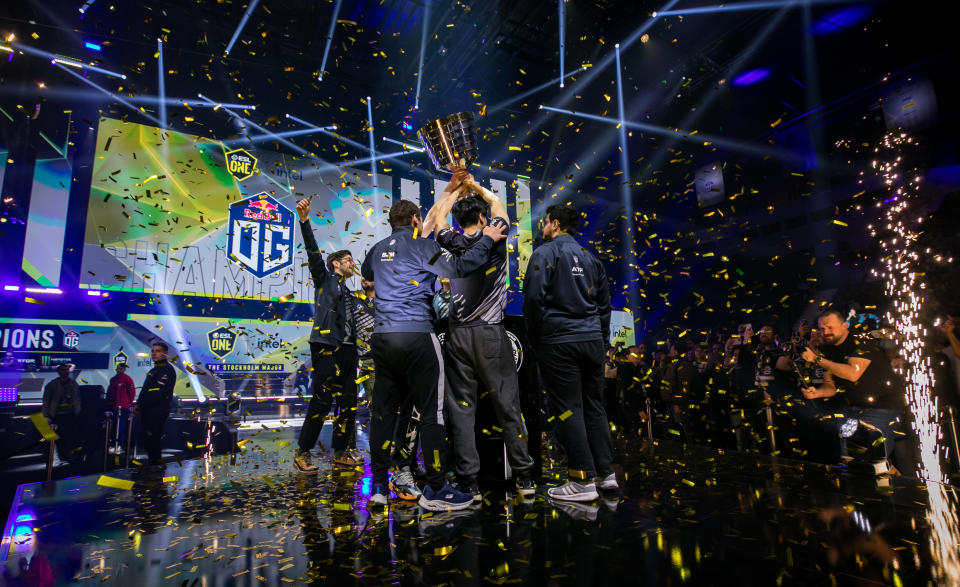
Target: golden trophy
column 451, row 143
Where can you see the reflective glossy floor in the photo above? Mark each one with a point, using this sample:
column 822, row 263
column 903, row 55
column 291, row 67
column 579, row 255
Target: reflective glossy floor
column 684, row 515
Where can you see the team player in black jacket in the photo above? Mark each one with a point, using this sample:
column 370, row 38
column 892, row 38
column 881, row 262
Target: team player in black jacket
column 566, row 308
column 406, row 352
column 479, row 357
column 153, row 403
column 333, row 351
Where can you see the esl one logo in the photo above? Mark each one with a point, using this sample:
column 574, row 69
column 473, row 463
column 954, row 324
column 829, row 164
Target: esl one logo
column 221, row 341
column 261, row 234
column 71, row 340
column 241, row 164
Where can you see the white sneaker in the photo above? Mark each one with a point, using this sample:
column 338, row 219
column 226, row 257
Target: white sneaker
column 573, row 491
column 608, row 483
column 377, row 501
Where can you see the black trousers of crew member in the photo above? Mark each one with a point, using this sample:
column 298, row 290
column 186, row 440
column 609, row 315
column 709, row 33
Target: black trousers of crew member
column 480, row 360
column 408, row 365
column 334, row 377
column 572, row 375
column 152, row 422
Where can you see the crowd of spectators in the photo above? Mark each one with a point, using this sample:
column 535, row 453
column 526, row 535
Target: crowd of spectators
column 785, row 393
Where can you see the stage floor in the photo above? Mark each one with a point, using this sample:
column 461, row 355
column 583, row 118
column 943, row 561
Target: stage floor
column 684, row 514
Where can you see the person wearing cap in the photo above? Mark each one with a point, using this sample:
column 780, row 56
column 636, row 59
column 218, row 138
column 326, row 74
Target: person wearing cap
column 121, row 393
column 61, row 407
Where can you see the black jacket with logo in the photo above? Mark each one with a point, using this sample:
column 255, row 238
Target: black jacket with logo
column 332, row 304
column 157, row 390
column 566, row 297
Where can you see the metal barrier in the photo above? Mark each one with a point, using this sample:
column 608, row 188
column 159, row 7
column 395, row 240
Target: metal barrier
column 649, row 419
column 50, row 460
column 129, row 440
column 107, row 422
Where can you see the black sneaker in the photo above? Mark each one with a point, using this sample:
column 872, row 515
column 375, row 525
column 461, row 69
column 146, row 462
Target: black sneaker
column 526, row 486
column 470, row 486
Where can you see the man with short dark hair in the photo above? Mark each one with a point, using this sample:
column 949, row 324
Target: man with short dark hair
column 479, row 357
column 333, row 352
column 566, row 308
column 153, row 404
column 406, row 352
column 859, row 370
column 61, row 407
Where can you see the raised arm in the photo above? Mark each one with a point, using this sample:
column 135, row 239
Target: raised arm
column 437, row 215
column 318, row 270
column 497, row 207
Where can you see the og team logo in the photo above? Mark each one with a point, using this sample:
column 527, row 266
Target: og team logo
column 261, row 234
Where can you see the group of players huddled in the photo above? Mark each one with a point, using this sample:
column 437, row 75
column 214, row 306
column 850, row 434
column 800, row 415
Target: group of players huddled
column 421, row 392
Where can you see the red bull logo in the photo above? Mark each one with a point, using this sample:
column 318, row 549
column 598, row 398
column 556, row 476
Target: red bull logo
column 261, row 210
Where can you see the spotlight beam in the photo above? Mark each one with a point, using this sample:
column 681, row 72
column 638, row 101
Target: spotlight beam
column 568, row 95
column 326, row 50
column 115, row 97
column 76, row 94
column 748, row 6
column 63, row 60
column 310, row 124
column 692, row 119
column 268, row 137
column 732, row 144
column 243, row 22
column 161, row 84
column 423, row 50
column 625, row 194
column 373, row 150
column 561, row 13
column 404, row 145
column 296, row 148
column 501, row 105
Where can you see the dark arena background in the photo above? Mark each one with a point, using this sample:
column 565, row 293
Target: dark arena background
column 738, row 169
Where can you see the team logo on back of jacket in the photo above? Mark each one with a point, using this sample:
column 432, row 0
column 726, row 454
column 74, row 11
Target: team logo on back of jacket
column 576, row 270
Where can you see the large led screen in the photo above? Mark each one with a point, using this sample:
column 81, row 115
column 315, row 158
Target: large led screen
column 173, row 213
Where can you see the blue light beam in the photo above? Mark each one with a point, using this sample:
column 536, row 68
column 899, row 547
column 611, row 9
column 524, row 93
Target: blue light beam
column 243, row 22
column 561, row 12
column 161, row 84
column 326, row 50
column 115, row 97
column 373, row 150
column 423, row 50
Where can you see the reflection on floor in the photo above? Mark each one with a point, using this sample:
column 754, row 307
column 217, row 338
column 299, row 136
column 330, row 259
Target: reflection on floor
column 683, row 514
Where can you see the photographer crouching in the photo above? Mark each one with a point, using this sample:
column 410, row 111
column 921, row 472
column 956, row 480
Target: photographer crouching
column 859, row 370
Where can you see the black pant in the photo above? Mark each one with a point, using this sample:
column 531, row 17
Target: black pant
column 66, row 429
column 572, row 374
column 334, row 376
column 408, row 364
column 479, row 362
column 151, row 425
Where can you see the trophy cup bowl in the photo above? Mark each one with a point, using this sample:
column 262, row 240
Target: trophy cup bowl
column 450, row 141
